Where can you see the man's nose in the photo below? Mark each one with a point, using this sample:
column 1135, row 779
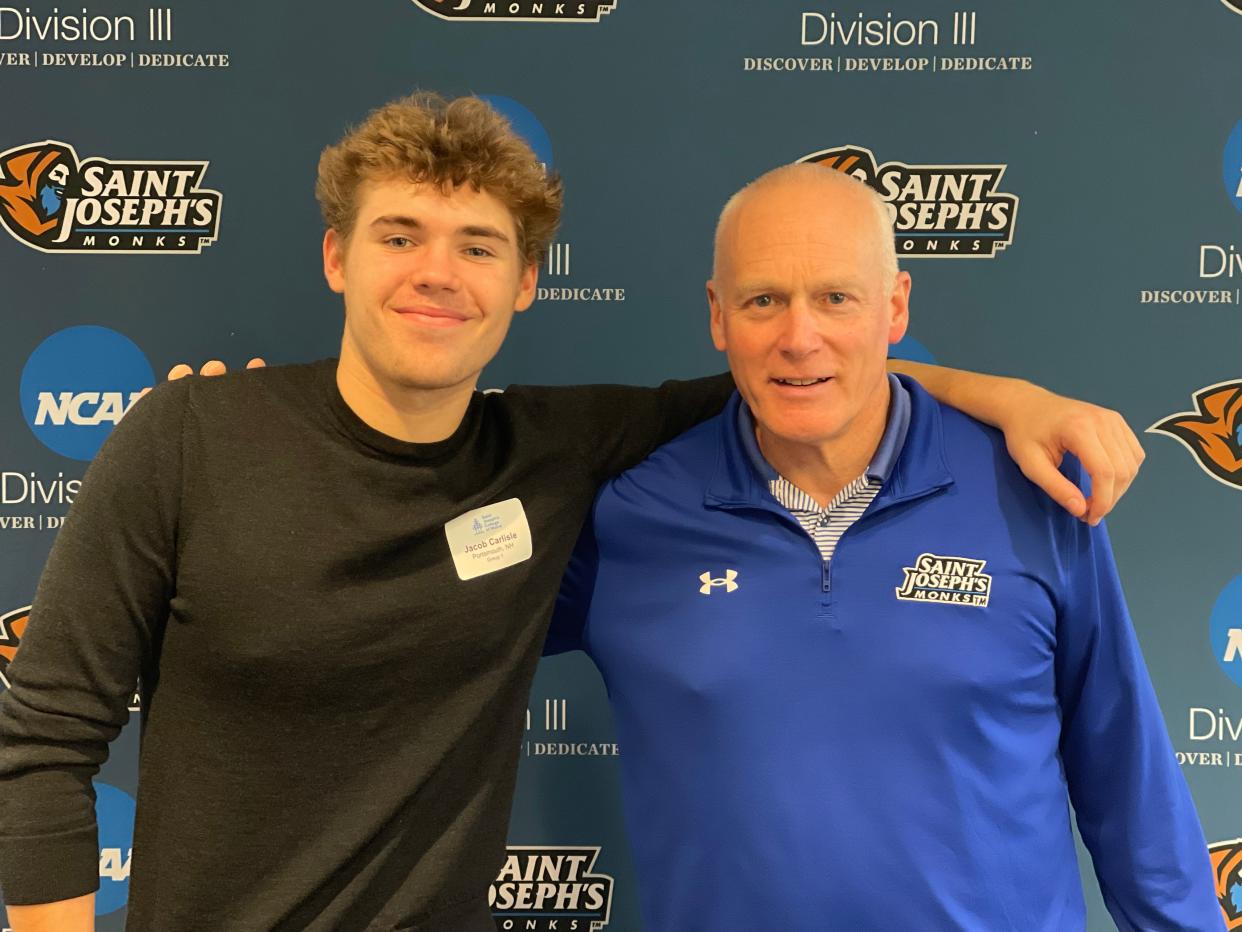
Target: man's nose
column 434, row 267
column 800, row 334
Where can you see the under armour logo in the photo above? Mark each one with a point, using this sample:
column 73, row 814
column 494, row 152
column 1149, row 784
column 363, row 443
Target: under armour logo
column 727, row 581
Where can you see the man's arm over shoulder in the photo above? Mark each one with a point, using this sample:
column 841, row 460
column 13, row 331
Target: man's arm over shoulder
column 1040, row 427
column 1133, row 807
column 613, row 427
column 94, row 628
column 573, row 603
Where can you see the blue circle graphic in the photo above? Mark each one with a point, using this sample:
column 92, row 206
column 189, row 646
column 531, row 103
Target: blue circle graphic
column 114, row 811
column 911, row 349
column 1233, row 167
column 525, row 124
column 1226, row 628
column 77, row 384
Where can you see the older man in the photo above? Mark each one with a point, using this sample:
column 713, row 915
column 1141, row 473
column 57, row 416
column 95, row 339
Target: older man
column 859, row 666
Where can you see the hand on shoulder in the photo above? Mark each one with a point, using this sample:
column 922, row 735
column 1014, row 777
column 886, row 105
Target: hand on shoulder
column 211, row 367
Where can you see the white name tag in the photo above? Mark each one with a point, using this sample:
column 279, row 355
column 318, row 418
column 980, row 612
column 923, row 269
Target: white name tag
column 489, row 538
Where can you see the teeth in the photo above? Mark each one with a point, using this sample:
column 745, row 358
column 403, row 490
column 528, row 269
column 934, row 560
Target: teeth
column 801, row 381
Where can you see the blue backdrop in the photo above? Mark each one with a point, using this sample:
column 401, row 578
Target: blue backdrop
column 1068, row 181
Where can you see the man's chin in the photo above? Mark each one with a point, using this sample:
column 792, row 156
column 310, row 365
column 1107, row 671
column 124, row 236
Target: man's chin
column 431, row 380
column 796, row 431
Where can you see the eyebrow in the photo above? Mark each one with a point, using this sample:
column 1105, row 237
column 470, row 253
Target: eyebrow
column 412, row 223
column 754, row 287
column 761, row 286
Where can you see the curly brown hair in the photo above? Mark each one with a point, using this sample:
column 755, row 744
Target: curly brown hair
column 447, row 143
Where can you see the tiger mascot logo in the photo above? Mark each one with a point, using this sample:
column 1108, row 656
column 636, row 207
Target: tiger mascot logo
column 1212, row 432
column 12, row 627
column 33, row 180
column 1227, row 869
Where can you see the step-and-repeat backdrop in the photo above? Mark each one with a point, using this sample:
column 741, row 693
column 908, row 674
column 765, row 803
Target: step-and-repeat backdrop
column 1067, row 181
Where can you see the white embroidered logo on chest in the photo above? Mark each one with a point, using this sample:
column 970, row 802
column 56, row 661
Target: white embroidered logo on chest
column 488, row 539
column 728, row 580
column 952, row 580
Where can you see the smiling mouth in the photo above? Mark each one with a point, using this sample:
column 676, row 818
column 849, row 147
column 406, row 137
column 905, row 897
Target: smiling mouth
column 802, row 383
column 431, row 316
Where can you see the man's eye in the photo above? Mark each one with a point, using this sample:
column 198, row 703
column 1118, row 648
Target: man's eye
column 763, row 300
column 837, row 297
column 398, row 241
column 478, row 252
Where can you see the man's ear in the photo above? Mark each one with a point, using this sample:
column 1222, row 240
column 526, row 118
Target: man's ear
column 717, row 316
column 527, row 286
column 334, row 260
column 899, row 308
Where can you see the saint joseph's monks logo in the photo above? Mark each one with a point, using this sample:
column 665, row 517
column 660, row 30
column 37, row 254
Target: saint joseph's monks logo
column 53, row 202
column 553, row 888
column 957, row 580
column 1235, row 5
column 519, row 11
column 938, row 211
column 1212, row 432
column 12, row 627
column 1227, row 869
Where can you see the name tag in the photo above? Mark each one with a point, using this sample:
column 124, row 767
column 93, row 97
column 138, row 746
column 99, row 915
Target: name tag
column 489, row 538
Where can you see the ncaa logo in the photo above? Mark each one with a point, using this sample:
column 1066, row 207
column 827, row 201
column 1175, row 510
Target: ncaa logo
column 1233, row 166
column 1226, row 630
column 911, row 349
column 114, row 812
column 78, row 384
column 525, row 124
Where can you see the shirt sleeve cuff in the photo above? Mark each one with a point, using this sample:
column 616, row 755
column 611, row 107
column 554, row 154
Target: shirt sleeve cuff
column 49, row 868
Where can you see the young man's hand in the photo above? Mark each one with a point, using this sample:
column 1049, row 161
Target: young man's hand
column 211, row 367
column 1040, row 427
column 1050, row 426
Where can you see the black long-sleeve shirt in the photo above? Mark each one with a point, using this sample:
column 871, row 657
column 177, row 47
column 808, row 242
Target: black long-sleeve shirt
column 332, row 715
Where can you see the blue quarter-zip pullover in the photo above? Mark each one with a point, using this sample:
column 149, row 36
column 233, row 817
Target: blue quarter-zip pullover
column 892, row 739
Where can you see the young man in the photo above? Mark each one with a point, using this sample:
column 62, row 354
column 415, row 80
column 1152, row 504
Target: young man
column 869, row 665
column 333, row 580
